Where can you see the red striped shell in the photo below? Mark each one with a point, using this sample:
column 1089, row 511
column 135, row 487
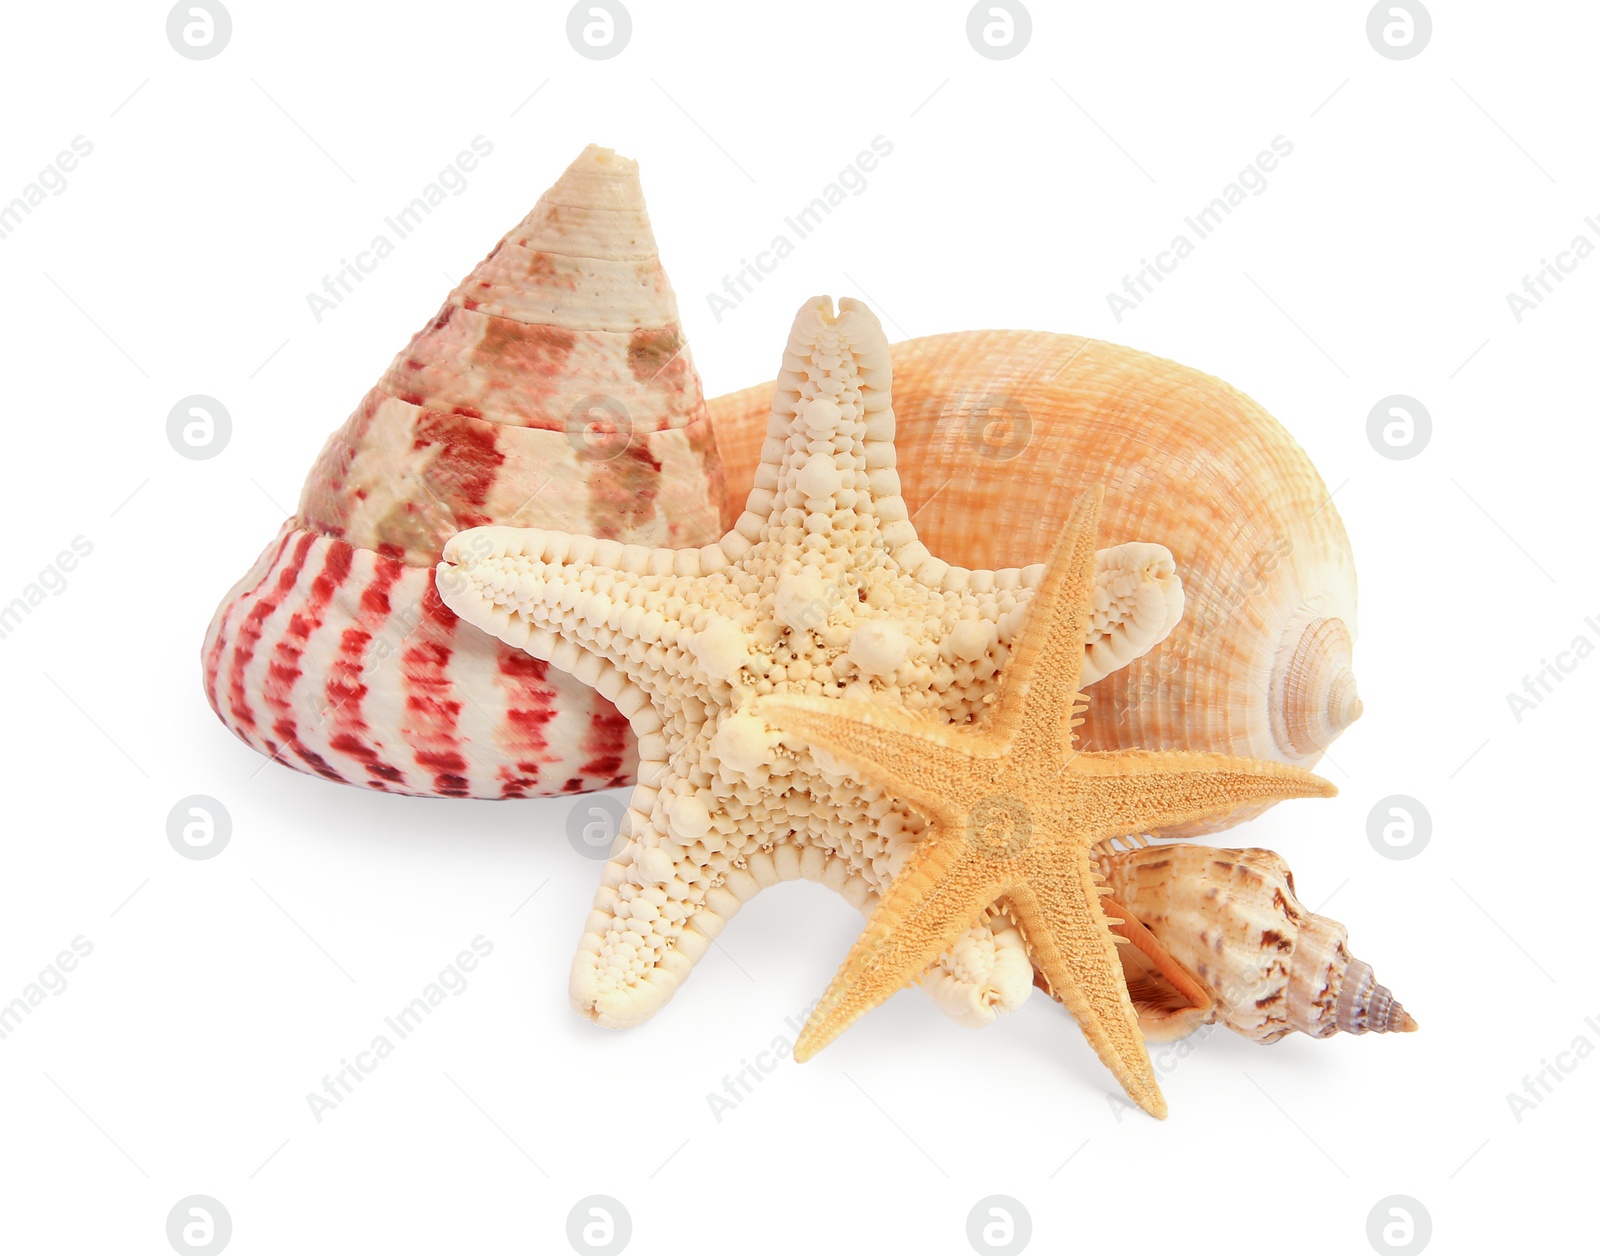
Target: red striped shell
column 552, row 389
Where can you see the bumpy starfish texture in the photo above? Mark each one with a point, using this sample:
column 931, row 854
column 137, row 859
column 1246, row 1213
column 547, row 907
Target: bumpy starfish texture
column 821, row 589
column 1015, row 813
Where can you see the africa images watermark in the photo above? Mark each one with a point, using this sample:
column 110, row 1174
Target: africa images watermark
column 51, row 580
column 1539, row 285
column 452, row 980
column 1538, row 1087
column 1165, row 1058
column 52, row 979
column 739, row 1086
column 851, row 181
column 452, row 180
column 1251, row 181
column 1539, row 686
column 52, row 179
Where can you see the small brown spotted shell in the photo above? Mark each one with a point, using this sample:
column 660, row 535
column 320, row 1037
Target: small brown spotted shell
column 1231, row 918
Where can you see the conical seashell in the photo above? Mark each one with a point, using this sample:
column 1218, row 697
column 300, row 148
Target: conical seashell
column 999, row 431
column 552, row 389
column 1232, row 918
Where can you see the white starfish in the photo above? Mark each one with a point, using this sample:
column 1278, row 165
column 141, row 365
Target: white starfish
column 821, row 588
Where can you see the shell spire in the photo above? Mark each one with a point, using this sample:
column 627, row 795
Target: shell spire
column 553, row 388
column 1365, row 1007
column 533, row 394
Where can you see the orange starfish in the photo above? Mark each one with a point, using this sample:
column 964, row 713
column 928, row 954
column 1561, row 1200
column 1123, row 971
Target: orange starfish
column 1015, row 810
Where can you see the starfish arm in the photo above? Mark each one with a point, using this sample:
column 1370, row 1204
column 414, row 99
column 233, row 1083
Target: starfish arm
column 937, row 897
column 1058, row 905
column 908, row 757
column 830, row 413
column 654, row 916
column 1047, row 660
column 1143, row 791
column 1136, row 603
column 534, row 588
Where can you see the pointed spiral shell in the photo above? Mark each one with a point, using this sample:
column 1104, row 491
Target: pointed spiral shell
column 1232, row 918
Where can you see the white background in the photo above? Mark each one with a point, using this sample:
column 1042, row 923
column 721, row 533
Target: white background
column 1019, row 193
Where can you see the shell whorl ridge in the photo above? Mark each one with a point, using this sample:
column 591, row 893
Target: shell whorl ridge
column 1232, row 918
column 1314, row 695
column 1010, row 426
column 1366, row 1007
